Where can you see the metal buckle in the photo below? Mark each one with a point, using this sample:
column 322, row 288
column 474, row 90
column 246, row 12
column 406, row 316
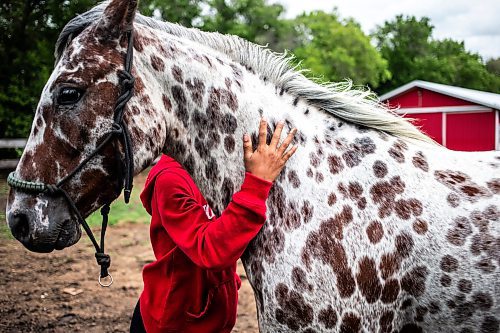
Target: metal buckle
column 106, row 284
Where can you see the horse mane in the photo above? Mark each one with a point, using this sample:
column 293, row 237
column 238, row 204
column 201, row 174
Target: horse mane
column 355, row 105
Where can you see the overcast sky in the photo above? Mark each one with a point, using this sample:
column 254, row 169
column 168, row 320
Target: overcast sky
column 477, row 22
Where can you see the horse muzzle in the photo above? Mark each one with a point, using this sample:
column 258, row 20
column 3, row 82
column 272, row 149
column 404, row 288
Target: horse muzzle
column 41, row 224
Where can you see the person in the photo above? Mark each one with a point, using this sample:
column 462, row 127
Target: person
column 192, row 286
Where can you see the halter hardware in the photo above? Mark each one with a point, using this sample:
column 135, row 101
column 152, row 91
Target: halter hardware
column 117, row 129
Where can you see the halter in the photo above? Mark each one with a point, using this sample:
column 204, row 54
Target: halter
column 117, row 129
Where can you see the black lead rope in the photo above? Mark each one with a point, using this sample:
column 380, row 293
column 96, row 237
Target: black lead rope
column 118, row 129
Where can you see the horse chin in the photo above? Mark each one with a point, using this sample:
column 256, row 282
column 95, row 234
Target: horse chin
column 69, row 234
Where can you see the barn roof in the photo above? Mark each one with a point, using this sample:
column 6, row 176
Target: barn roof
column 491, row 100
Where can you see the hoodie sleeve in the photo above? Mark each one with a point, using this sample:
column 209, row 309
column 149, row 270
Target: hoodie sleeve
column 214, row 243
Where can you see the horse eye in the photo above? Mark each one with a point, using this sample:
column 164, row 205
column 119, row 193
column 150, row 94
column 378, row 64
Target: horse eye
column 69, row 96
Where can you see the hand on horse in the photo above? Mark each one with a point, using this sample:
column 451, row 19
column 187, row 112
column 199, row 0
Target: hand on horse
column 267, row 161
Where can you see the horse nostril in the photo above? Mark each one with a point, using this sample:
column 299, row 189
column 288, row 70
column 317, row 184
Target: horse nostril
column 19, row 226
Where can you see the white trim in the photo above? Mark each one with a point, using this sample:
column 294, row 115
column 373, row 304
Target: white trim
column 497, row 130
column 454, row 109
column 475, row 96
column 443, row 128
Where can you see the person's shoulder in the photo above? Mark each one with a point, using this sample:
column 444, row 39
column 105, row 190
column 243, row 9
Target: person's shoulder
column 175, row 177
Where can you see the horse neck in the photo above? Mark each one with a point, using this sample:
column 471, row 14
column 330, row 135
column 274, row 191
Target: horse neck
column 205, row 102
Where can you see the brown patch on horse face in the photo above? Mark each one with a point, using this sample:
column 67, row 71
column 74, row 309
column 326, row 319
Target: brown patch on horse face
column 368, row 281
column 413, row 282
column 375, row 232
column 380, row 169
column 328, row 317
column 177, row 74
column 351, row 323
column 335, row 164
column 157, row 63
column 419, row 161
column 293, row 311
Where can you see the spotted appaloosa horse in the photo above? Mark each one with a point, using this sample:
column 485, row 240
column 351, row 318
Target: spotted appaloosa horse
column 371, row 227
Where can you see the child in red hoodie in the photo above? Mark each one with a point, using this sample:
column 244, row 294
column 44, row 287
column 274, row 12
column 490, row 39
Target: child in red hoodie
column 193, row 286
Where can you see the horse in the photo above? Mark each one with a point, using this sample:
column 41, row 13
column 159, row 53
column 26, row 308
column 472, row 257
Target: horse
column 371, row 227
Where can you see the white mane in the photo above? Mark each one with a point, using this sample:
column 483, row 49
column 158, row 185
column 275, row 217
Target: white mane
column 357, row 106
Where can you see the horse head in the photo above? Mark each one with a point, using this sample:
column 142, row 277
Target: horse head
column 75, row 115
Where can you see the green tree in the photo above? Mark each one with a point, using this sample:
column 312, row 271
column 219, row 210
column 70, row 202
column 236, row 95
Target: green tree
column 254, row 20
column 493, row 66
column 179, row 11
column 28, row 31
column 337, row 49
column 407, row 44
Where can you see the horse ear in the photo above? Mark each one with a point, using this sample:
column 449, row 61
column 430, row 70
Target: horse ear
column 118, row 18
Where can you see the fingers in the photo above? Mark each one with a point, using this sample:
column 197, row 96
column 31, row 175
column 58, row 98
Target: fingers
column 276, row 135
column 287, row 141
column 262, row 132
column 247, row 147
column 289, row 153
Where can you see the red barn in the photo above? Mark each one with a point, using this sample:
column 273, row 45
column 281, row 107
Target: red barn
column 458, row 118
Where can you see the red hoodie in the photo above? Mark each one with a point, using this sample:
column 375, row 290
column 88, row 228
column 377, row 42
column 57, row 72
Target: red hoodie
column 192, row 285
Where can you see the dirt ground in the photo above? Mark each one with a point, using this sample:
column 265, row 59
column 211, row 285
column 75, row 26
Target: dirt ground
column 58, row 292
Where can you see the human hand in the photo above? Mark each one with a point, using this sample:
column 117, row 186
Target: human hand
column 267, row 161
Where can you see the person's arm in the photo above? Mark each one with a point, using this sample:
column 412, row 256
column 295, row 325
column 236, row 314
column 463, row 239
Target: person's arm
column 220, row 242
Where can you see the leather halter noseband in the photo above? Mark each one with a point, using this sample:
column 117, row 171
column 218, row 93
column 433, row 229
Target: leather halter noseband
column 117, row 129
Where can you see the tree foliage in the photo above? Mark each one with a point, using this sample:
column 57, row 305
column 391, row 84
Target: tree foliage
column 407, row 44
column 178, row 11
column 493, row 66
column 337, row 49
column 28, row 30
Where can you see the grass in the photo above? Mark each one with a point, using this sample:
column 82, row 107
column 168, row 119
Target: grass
column 121, row 212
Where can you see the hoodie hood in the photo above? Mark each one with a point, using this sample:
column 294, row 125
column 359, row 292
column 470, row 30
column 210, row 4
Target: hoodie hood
column 165, row 162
